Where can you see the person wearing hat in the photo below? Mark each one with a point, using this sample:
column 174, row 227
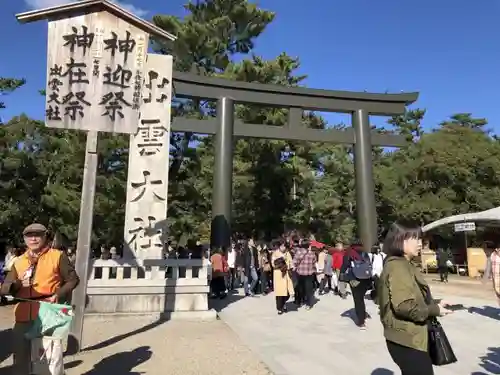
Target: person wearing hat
column 40, row 274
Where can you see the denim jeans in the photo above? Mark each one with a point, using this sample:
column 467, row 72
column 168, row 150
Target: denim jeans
column 232, row 279
column 265, row 280
column 250, row 281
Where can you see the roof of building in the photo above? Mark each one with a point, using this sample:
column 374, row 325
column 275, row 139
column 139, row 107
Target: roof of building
column 487, row 217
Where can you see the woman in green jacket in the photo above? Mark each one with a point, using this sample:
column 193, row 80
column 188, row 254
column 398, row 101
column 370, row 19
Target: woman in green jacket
column 404, row 310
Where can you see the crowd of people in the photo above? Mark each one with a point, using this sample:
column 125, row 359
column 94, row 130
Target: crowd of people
column 296, row 266
column 290, row 266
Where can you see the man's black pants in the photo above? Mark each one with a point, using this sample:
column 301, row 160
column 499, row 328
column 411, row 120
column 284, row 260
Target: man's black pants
column 305, row 290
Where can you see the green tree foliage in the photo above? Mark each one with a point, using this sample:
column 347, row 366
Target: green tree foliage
column 409, row 124
column 7, row 85
column 449, row 171
column 277, row 185
column 41, row 178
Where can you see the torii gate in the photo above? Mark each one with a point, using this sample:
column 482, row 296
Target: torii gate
column 296, row 99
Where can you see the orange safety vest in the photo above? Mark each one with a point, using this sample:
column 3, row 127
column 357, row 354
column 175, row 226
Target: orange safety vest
column 46, row 282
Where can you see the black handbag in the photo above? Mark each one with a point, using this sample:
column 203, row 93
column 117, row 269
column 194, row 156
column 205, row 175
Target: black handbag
column 440, row 349
column 345, row 274
column 345, row 277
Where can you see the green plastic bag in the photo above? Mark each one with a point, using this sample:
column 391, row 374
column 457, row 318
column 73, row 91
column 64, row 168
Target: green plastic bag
column 53, row 320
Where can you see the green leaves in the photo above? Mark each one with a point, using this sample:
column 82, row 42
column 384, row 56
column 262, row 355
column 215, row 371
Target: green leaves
column 7, row 85
column 408, row 124
column 449, row 171
column 212, row 32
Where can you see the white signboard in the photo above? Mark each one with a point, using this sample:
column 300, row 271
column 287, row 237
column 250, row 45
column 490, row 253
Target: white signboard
column 94, row 73
column 147, row 184
column 465, row 227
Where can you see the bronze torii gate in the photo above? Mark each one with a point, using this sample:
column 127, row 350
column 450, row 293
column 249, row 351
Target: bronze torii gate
column 296, row 99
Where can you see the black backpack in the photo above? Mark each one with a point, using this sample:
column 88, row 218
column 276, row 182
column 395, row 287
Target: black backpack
column 362, row 268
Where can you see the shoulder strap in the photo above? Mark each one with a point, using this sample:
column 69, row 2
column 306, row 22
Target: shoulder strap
column 425, row 290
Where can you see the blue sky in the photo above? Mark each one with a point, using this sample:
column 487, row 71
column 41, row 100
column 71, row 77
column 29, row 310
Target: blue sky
column 447, row 50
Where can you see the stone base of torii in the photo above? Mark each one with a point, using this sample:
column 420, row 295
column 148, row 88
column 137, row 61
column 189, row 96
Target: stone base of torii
column 170, row 289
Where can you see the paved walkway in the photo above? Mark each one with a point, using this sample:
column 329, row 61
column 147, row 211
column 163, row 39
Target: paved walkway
column 322, row 341
column 325, row 341
column 133, row 346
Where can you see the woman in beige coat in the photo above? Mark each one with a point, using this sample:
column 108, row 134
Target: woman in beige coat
column 282, row 282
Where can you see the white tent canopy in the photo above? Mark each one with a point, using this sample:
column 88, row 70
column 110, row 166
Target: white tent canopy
column 492, row 215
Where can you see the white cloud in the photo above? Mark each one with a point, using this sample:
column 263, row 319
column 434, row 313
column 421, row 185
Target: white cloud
column 39, row 4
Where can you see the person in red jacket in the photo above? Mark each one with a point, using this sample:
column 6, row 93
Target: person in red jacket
column 219, row 273
column 338, row 258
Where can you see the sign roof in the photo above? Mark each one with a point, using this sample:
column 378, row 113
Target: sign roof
column 91, row 6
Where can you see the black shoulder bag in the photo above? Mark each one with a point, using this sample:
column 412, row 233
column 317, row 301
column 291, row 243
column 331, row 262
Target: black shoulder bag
column 345, row 274
column 440, row 349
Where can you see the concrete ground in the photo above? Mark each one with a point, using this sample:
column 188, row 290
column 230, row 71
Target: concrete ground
column 463, row 286
column 140, row 346
column 325, row 341
column 321, row 341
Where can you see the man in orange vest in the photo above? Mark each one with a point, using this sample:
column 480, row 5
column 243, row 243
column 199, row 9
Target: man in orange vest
column 40, row 274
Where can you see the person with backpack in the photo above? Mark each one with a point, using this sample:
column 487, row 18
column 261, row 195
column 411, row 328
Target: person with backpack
column 357, row 271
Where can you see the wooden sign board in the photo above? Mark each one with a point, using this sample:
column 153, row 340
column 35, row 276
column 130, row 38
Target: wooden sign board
column 147, row 183
column 95, row 67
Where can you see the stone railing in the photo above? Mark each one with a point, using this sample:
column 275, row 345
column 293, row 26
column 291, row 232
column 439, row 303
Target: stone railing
column 148, row 287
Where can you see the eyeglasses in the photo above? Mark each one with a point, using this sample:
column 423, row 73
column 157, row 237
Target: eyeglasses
column 35, row 234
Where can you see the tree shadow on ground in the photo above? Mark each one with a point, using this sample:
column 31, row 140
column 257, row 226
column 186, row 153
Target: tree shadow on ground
column 122, row 363
column 72, row 364
column 219, row 304
column 382, row 371
column 113, row 340
column 490, row 362
column 351, row 314
column 487, row 311
column 5, row 349
column 314, row 300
